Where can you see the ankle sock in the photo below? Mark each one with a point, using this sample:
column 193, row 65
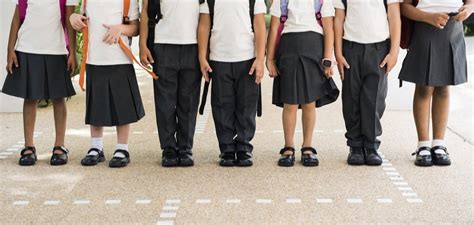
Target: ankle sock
column 424, row 144
column 121, row 147
column 97, row 143
column 439, row 142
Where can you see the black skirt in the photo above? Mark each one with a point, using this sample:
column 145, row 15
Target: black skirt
column 301, row 79
column 436, row 57
column 39, row 77
column 112, row 95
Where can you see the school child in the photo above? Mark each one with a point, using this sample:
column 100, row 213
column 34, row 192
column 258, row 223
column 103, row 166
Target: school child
column 39, row 67
column 112, row 94
column 367, row 44
column 436, row 59
column 302, row 68
column 236, row 53
column 171, row 27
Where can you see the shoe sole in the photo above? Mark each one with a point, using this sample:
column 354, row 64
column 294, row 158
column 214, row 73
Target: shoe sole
column 442, row 164
column 119, row 165
column 58, row 164
column 310, row 164
column 27, row 164
column 227, row 164
column 286, row 165
column 94, row 164
column 424, row 164
column 355, row 163
column 244, row 164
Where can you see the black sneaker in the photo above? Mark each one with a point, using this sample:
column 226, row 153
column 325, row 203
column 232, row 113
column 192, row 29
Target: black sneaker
column 118, row 162
column 185, row 158
column 92, row 160
column 244, row 159
column 356, row 156
column 423, row 160
column 372, row 157
column 169, row 158
column 227, row 159
column 440, row 159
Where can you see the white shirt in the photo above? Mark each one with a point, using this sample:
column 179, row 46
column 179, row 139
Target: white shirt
column 446, row 6
column 232, row 38
column 42, row 31
column 108, row 12
column 366, row 20
column 301, row 15
column 179, row 22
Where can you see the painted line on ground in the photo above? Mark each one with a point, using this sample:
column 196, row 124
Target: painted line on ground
column 384, row 200
column 169, row 211
column 81, row 202
column 142, row 201
column 113, row 202
column 203, row 201
column 324, row 200
column 354, row 200
column 263, row 201
column 21, row 202
column 233, row 201
column 293, row 201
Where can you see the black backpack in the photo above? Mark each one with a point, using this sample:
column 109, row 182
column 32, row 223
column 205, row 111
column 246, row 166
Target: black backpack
column 211, row 4
column 384, row 2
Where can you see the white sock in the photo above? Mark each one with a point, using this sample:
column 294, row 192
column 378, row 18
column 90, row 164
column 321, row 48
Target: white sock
column 424, row 144
column 97, row 143
column 121, row 147
column 439, row 142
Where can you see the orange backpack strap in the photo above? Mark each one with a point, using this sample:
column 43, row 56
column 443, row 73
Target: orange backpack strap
column 85, row 47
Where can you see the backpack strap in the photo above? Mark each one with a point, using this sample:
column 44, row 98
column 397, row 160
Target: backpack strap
column 22, row 5
column 252, row 12
column 211, row 4
column 284, row 10
column 344, row 2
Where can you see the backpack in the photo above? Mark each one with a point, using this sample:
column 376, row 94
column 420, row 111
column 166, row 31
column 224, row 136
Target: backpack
column 211, row 4
column 123, row 46
column 384, row 2
column 407, row 29
column 318, row 4
column 154, row 16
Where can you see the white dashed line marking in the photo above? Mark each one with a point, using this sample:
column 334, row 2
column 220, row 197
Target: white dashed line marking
column 354, row 200
column 409, row 194
column 203, row 201
column 414, row 200
column 3, row 157
column 293, row 201
column 232, row 201
column 324, row 200
column 6, row 153
column 263, row 201
column 170, row 208
column 396, row 178
column 405, row 189
column 393, row 173
column 18, row 146
column 173, row 201
column 143, row 201
column 51, row 202
column 168, row 215
column 386, row 164
column 12, row 149
column 168, row 222
column 22, row 202
column 389, row 169
column 401, row 183
column 277, row 131
column 384, row 200
column 113, row 202
column 137, row 132
column 81, row 202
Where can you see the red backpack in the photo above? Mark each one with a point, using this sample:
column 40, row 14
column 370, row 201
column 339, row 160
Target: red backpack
column 407, row 29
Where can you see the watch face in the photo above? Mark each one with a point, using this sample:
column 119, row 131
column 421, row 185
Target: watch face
column 327, row 63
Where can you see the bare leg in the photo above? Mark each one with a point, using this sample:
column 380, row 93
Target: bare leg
column 421, row 111
column 60, row 119
column 97, row 132
column 308, row 121
column 289, row 124
column 122, row 134
column 29, row 119
column 440, row 111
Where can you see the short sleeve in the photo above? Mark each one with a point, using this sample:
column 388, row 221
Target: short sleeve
column 134, row 13
column 72, row 2
column 275, row 9
column 204, row 8
column 338, row 4
column 260, row 7
column 327, row 10
column 394, row 1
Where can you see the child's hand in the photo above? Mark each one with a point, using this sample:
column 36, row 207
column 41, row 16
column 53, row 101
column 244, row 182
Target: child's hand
column 272, row 68
column 464, row 12
column 113, row 34
column 78, row 21
column 257, row 68
column 145, row 56
column 341, row 65
column 11, row 60
column 328, row 72
column 71, row 62
column 205, row 69
column 438, row 20
column 390, row 61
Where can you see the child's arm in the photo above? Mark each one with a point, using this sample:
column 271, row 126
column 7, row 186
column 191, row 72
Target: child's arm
column 11, row 55
column 145, row 55
column 328, row 31
column 116, row 31
column 271, row 42
column 71, row 62
column 438, row 20
column 260, row 32
column 395, row 25
column 204, row 29
column 338, row 34
column 465, row 11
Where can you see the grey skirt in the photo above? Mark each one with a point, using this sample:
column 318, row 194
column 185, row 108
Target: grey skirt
column 436, row 57
column 301, row 79
column 39, row 77
column 112, row 95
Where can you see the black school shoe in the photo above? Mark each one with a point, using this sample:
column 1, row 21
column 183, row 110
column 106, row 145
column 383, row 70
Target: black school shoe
column 244, row 159
column 169, row 158
column 356, row 156
column 227, row 159
column 440, row 159
column 117, row 162
column 59, row 159
column 423, row 160
column 372, row 157
column 92, row 160
column 28, row 159
column 287, row 160
column 309, row 159
column 185, row 158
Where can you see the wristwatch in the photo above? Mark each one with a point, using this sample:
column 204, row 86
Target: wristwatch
column 327, row 63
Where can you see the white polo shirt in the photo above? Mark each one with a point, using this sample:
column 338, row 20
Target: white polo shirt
column 232, row 38
column 108, row 12
column 42, row 31
column 366, row 20
column 179, row 22
column 446, row 6
column 301, row 15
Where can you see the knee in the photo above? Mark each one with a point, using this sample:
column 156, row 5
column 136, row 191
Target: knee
column 290, row 108
column 441, row 92
column 423, row 92
column 308, row 107
column 31, row 102
column 58, row 101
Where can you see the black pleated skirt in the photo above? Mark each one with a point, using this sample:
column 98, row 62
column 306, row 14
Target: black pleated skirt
column 436, row 57
column 301, row 79
column 39, row 77
column 112, row 96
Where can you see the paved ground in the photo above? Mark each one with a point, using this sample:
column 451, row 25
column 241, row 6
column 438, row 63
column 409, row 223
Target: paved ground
column 145, row 193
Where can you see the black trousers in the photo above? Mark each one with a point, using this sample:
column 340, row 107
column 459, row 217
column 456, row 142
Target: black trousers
column 234, row 105
column 364, row 90
column 176, row 95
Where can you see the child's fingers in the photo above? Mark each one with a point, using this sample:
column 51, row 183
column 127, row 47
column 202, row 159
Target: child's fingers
column 106, row 26
column 384, row 62
column 150, row 57
column 15, row 61
column 252, row 70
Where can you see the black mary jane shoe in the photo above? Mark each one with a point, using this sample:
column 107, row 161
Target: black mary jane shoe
column 185, row 158
column 287, row 160
column 92, row 160
column 118, row 162
column 309, row 156
column 59, row 159
column 244, row 159
column 169, row 158
column 423, row 160
column 227, row 159
column 356, row 156
column 440, row 159
column 28, row 159
column 372, row 157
